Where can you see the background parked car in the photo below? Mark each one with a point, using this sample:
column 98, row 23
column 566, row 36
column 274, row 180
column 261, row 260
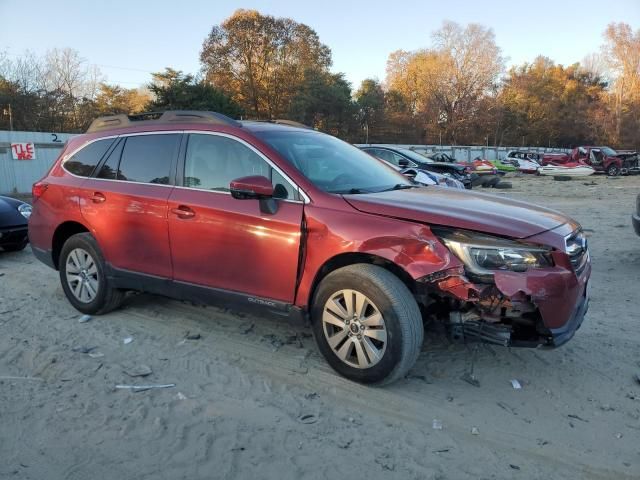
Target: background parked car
column 14, row 215
column 405, row 158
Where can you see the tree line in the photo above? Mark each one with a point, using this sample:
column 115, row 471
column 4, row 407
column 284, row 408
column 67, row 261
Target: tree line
column 456, row 90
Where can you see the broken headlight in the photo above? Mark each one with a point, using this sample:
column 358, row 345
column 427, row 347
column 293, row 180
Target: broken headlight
column 483, row 255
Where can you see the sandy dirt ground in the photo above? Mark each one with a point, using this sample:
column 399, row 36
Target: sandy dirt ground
column 254, row 399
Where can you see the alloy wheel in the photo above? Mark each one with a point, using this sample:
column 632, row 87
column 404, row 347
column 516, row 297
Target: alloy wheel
column 82, row 275
column 354, row 329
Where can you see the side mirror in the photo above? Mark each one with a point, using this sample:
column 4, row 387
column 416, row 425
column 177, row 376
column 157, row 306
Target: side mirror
column 255, row 187
column 403, row 163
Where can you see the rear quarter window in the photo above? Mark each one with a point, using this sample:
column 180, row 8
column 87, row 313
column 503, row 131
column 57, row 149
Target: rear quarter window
column 148, row 158
column 84, row 161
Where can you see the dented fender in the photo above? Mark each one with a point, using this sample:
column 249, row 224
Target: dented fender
column 411, row 246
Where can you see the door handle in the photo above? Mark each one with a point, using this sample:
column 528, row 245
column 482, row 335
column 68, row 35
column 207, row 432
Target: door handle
column 98, row 197
column 183, row 212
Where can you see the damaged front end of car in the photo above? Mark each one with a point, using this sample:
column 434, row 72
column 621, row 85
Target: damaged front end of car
column 509, row 292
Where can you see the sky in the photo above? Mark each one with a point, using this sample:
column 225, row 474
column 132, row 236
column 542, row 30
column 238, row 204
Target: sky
column 130, row 39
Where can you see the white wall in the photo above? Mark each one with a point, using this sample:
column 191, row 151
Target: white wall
column 17, row 176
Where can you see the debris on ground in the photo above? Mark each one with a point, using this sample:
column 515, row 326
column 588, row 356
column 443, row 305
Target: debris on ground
column 83, row 349
column 141, row 388
column 514, row 467
column 85, row 318
column 475, row 431
column 9, row 377
column 127, row 340
column 638, row 377
column 96, row 354
column 471, row 379
column 572, row 415
column 138, row 371
column 516, row 384
column 181, row 396
column 192, row 336
column 308, row 419
column 248, row 329
column 437, row 424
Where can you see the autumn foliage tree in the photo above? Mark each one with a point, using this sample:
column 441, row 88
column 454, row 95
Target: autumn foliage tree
column 262, row 61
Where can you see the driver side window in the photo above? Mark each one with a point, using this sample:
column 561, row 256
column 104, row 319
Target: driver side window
column 213, row 161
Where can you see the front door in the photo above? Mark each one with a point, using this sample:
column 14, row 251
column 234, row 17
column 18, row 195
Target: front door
column 125, row 203
column 224, row 243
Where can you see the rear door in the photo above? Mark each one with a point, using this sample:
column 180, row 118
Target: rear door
column 220, row 242
column 125, row 202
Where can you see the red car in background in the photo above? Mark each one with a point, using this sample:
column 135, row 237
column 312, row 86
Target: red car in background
column 285, row 220
column 601, row 159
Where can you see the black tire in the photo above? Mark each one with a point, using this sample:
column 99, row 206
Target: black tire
column 562, row 178
column 107, row 298
column 503, row 185
column 402, row 321
column 613, row 170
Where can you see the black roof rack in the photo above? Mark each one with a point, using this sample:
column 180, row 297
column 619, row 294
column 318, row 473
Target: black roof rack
column 157, row 118
column 291, row 123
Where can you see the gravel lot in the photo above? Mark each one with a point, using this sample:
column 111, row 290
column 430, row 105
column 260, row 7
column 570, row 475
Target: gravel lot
column 254, row 399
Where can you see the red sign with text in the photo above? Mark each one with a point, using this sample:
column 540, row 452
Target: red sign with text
column 23, row 151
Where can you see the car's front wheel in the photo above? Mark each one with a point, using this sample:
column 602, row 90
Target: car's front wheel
column 613, row 170
column 367, row 324
column 83, row 278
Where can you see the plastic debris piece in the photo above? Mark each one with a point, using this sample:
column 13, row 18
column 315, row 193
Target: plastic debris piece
column 85, row 318
column 437, row 424
column 516, row 384
column 181, row 396
column 308, row 419
column 475, row 431
column 96, row 355
column 138, row 371
column 619, row 435
column 140, row 388
column 192, row 336
column 127, row 340
column 83, row 349
column 471, row 379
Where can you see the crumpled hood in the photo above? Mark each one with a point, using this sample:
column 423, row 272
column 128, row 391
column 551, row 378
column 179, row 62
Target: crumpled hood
column 461, row 209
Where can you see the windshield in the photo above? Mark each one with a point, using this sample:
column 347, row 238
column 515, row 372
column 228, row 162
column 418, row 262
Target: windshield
column 416, row 157
column 333, row 165
column 609, row 152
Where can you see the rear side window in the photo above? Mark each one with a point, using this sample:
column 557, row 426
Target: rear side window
column 147, row 158
column 109, row 169
column 84, row 161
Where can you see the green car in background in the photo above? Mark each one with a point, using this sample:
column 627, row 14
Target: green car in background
column 503, row 167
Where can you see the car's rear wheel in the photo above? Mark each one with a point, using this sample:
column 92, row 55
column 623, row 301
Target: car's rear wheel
column 367, row 324
column 83, row 278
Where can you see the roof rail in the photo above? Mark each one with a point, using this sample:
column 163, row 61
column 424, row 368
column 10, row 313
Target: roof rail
column 157, row 118
column 291, row 123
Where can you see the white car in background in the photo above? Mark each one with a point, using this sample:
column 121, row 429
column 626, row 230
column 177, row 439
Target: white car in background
column 525, row 162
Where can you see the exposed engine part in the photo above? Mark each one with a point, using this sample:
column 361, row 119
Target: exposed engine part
column 469, row 326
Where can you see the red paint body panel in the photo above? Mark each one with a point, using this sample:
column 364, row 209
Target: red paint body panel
column 130, row 224
column 462, row 209
column 411, row 246
column 230, row 244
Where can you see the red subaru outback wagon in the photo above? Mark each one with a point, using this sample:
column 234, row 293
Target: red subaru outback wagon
column 280, row 218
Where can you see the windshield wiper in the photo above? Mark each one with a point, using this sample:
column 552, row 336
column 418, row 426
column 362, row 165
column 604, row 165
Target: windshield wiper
column 400, row 186
column 351, row 191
